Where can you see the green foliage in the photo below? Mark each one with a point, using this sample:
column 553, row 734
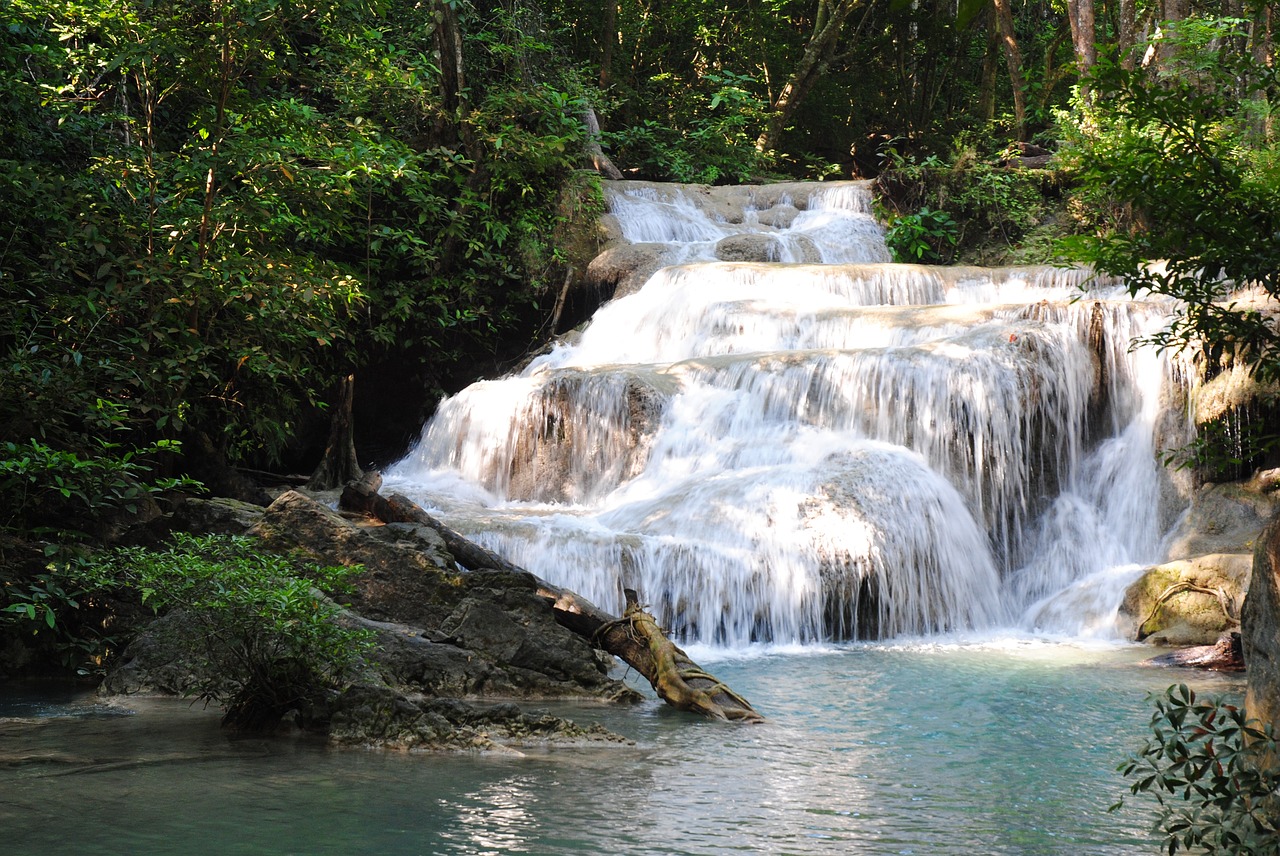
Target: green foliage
column 707, row 138
column 1178, row 167
column 991, row 206
column 48, row 607
column 255, row 629
column 1213, row 776
column 38, row 602
column 42, row 488
column 922, row 237
column 1182, row 167
column 1232, row 446
column 210, row 210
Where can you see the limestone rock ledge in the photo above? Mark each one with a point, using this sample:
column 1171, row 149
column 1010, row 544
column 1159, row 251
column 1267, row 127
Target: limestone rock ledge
column 381, row 718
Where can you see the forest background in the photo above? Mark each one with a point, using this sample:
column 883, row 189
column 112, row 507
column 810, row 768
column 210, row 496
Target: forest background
column 213, row 212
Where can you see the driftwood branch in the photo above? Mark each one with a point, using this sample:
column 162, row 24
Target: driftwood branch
column 635, row 638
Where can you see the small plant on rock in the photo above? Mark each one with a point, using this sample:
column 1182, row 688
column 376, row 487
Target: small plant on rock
column 924, row 237
column 255, row 631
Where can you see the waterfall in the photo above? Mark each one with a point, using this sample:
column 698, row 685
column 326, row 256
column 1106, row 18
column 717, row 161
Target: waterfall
column 823, row 445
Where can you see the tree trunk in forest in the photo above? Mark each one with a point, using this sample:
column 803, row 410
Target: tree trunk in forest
column 987, row 86
column 608, row 38
column 1013, row 59
column 453, row 77
column 339, row 464
column 1171, row 11
column 1080, row 14
column 1126, row 33
column 635, row 638
column 814, row 62
column 1262, row 45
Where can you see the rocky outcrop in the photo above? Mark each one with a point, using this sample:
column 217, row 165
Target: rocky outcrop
column 508, row 633
column 1225, row 655
column 1260, row 629
column 1196, row 595
column 749, row 247
column 440, row 634
column 1223, row 518
column 622, row 268
column 381, row 718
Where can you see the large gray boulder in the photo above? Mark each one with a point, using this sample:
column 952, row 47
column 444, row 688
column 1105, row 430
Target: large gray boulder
column 624, row 268
column 496, row 619
column 1223, row 518
column 1189, row 601
column 440, row 634
column 749, row 247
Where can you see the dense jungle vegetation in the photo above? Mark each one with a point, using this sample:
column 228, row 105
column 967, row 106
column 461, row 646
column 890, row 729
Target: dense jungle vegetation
column 212, row 211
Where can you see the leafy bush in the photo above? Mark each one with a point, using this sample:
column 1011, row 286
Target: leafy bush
column 43, row 608
column 41, row 488
column 1183, row 166
column 708, row 138
column 1214, row 777
column 993, row 206
column 923, row 237
column 1178, row 167
column 255, row 630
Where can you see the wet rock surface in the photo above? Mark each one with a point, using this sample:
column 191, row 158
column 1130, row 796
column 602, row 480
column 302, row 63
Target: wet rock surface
column 383, row 718
column 1225, row 655
column 1197, row 594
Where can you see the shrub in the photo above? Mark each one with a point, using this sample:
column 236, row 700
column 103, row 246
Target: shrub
column 1213, row 776
column 42, row 487
column 922, row 237
column 708, row 137
column 1183, row 166
column 256, row 631
column 992, row 207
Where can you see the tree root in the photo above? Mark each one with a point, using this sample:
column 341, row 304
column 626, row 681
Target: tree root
column 1181, row 587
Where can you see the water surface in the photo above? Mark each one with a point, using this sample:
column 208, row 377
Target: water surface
column 932, row 748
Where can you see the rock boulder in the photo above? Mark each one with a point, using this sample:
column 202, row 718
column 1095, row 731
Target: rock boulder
column 1187, row 602
column 1196, row 595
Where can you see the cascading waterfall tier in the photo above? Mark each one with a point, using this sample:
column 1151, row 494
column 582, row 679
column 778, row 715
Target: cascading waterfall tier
column 821, row 446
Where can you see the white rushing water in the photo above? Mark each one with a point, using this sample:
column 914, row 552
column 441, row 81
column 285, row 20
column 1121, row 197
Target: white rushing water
column 790, row 452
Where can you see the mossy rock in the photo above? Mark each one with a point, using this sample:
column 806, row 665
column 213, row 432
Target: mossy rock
column 1188, row 602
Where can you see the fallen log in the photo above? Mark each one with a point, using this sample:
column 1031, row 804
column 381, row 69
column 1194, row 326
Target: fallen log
column 635, row 638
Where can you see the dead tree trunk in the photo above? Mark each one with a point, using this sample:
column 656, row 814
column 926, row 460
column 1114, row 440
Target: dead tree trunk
column 599, row 160
column 635, row 638
column 1013, row 60
column 339, row 464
